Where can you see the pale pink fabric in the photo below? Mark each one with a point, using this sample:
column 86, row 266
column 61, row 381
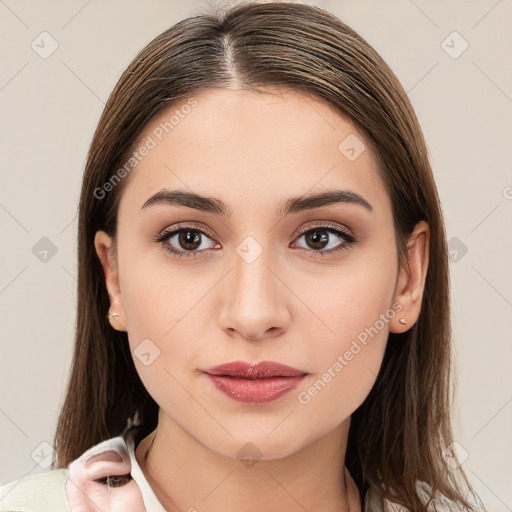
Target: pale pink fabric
column 88, row 489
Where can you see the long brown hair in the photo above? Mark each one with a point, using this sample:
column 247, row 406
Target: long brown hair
column 398, row 434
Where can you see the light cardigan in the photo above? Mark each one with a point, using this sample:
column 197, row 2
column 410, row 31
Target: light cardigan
column 72, row 488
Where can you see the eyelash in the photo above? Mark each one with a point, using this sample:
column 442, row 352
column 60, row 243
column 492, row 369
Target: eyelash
column 163, row 237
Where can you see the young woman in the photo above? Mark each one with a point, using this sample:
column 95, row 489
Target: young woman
column 259, row 219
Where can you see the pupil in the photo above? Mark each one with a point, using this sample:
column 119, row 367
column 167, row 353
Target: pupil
column 317, row 239
column 189, row 237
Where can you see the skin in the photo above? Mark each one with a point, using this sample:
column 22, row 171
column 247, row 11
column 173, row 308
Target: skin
column 290, row 305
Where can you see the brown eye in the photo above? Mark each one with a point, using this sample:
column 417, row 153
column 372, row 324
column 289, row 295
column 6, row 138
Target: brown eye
column 317, row 239
column 115, row 480
column 119, row 480
column 324, row 240
column 189, row 239
column 186, row 241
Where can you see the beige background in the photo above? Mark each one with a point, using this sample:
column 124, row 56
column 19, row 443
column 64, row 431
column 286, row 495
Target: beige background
column 50, row 108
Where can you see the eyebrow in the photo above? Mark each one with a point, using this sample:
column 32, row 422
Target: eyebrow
column 292, row 205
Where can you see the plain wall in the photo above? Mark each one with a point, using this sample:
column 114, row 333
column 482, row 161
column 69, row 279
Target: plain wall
column 50, row 108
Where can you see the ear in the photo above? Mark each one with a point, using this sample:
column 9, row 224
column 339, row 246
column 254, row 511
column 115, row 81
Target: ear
column 411, row 279
column 105, row 251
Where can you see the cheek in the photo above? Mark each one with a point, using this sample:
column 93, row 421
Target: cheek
column 344, row 301
column 346, row 367
column 157, row 297
column 353, row 311
column 166, row 322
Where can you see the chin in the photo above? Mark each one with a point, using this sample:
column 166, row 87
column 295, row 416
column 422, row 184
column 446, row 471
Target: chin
column 250, row 449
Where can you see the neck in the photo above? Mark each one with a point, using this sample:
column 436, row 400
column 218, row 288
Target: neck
column 186, row 475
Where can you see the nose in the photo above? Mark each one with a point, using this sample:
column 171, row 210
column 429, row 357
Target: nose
column 254, row 303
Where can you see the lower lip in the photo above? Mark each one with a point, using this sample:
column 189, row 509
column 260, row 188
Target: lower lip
column 255, row 391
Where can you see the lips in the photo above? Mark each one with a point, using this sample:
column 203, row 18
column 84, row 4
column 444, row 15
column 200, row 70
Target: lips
column 255, row 382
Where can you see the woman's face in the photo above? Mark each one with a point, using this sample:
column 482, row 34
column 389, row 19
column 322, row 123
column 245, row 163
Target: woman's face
column 306, row 284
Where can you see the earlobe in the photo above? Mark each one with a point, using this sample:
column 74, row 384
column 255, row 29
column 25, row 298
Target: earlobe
column 103, row 244
column 411, row 279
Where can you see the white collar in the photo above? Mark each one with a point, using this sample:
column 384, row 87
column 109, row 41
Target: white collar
column 150, row 500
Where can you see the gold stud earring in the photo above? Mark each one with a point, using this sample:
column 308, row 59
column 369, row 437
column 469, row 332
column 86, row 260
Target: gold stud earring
column 403, row 321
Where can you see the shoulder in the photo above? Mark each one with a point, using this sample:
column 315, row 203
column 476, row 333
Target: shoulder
column 41, row 492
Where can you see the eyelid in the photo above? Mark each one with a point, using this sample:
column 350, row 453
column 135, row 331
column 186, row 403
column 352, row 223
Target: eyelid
column 328, row 224
column 342, row 231
column 163, row 236
column 186, row 225
column 192, row 224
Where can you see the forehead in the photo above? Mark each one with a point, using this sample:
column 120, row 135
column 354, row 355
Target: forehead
column 266, row 146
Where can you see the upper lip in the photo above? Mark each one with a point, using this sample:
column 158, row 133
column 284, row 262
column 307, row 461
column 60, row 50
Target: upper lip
column 261, row 370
